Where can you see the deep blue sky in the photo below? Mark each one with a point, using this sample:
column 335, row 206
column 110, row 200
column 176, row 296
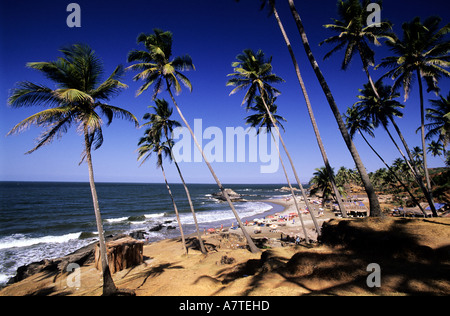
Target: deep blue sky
column 213, row 32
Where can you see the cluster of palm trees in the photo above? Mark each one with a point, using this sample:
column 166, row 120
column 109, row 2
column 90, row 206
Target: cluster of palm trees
column 422, row 53
column 80, row 99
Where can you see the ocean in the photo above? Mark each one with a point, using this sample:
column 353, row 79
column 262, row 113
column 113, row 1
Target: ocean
column 46, row 220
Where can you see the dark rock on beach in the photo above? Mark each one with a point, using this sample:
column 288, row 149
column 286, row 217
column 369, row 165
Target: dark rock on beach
column 234, row 197
column 156, row 228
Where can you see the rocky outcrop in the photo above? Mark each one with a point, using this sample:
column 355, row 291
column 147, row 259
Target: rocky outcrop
column 234, row 197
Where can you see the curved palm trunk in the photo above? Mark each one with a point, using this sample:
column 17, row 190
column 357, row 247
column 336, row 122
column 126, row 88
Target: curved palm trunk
column 311, row 116
column 109, row 287
column 175, row 209
column 395, row 175
column 199, row 236
column 413, row 167
column 424, row 146
column 250, row 242
column 366, row 69
column 375, row 209
column 297, row 207
column 316, row 225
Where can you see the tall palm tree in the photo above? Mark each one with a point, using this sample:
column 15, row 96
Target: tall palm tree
column 423, row 53
column 158, row 68
column 151, row 143
column 375, row 209
column 79, row 98
column 381, row 108
column 254, row 73
column 262, row 120
column 357, row 122
column 273, row 10
column 160, row 123
column 355, row 35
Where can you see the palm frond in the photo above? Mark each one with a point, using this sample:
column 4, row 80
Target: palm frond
column 117, row 112
column 29, row 94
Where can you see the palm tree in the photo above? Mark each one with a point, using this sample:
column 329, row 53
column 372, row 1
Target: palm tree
column 157, row 68
column 382, row 108
column 78, row 99
column 262, row 120
column 356, row 121
column 354, row 34
column 271, row 5
column 254, row 73
column 343, row 176
column 321, row 181
column 161, row 123
column 423, row 53
column 151, row 143
column 439, row 118
column 375, row 209
column 436, row 149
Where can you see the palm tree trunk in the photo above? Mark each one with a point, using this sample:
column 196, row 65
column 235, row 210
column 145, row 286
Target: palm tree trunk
column 375, row 209
column 292, row 191
column 109, row 287
column 199, row 236
column 250, row 242
column 311, row 115
column 415, row 171
column 310, row 209
column 413, row 168
column 366, row 69
column 424, row 146
column 175, row 209
column 394, row 174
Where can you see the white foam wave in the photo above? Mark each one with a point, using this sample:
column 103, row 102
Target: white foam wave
column 19, row 240
column 116, row 220
column 247, row 209
column 4, row 278
column 154, row 215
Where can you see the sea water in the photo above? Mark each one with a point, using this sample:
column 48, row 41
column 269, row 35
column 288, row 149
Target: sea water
column 44, row 220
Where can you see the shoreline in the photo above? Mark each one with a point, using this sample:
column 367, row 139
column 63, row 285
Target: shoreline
column 281, row 269
column 279, row 206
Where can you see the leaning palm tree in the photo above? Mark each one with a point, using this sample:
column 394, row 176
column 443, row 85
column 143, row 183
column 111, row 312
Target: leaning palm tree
column 375, row 209
column 78, row 99
column 254, row 73
column 355, row 35
column 357, row 122
column 423, row 53
column 380, row 107
column 149, row 144
column 157, row 68
column 160, row 122
column 273, row 10
column 263, row 120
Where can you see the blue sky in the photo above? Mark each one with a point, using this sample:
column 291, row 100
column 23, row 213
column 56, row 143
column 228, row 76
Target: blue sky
column 213, row 33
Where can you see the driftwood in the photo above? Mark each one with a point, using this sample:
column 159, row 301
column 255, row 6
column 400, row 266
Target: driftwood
column 122, row 254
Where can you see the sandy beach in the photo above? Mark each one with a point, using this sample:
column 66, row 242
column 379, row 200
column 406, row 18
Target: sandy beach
column 283, row 268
